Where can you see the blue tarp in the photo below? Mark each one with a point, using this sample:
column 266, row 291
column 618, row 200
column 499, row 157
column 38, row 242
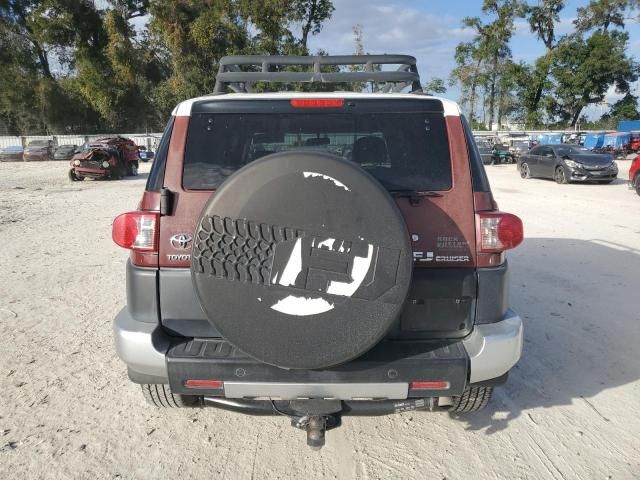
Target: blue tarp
column 616, row 140
column 594, row 140
column 549, row 138
column 628, row 125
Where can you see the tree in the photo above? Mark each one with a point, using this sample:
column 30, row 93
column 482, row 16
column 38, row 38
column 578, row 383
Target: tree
column 583, row 70
column 19, row 67
column 17, row 22
column 358, row 39
column 468, row 73
column 312, row 14
column 195, row 36
column 68, row 64
column 37, row 98
column 275, row 19
column 129, row 9
column 510, row 81
column 626, row 108
column 542, row 20
column 601, row 14
column 435, row 86
column 486, row 53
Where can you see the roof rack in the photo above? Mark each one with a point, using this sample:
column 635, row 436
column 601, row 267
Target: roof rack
column 231, row 75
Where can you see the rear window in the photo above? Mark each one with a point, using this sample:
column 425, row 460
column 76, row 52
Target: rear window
column 402, row 150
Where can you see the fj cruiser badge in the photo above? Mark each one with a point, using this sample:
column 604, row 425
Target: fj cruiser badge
column 181, row 241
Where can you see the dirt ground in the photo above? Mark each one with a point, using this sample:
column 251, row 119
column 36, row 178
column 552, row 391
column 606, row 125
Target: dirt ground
column 569, row 410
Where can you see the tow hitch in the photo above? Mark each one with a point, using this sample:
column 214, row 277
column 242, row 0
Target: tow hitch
column 316, row 426
column 316, row 416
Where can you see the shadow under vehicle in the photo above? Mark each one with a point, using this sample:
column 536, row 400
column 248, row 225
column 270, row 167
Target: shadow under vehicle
column 567, row 163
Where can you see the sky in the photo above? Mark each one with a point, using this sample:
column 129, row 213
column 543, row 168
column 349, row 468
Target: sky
column 430, row 31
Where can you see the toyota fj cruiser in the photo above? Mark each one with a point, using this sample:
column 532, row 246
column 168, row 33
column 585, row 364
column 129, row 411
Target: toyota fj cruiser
column 318, row 254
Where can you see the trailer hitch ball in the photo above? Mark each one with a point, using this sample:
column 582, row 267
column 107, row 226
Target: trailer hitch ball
column 316, row 427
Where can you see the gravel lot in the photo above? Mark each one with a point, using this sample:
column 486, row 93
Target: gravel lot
column 67, row 410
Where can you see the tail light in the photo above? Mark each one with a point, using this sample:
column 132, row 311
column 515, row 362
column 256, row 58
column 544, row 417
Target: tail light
column 136, row 231
column 499, row 232
column 317, row 102
column 430, row 385
column 204, row 384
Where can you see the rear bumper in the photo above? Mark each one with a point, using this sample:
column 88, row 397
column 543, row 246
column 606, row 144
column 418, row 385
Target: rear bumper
column 142, row 346
column 11, row 158
column 154, row 357
column 494, row 348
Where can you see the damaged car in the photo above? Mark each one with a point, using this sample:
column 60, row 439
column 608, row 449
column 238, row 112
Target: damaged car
column 105, row 158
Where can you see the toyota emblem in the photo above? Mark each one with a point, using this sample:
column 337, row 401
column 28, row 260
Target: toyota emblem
column 181, row 241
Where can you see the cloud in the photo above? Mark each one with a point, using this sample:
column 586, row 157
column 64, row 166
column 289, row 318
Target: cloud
column 391, row 27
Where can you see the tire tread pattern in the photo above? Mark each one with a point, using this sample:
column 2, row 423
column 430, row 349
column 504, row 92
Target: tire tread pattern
column 160, row 395
column 238, row 249
column 472, row 399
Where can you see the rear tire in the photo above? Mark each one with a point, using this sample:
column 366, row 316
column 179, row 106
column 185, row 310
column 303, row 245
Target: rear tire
column 525, row 172
column 160, row 395
column 636, row 183
column 471, row 400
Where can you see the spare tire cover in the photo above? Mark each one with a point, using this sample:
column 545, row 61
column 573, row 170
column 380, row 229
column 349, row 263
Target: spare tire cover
column 302, row 260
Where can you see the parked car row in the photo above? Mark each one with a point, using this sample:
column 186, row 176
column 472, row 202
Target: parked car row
column 40, row 150
column 37, row 150
column 619, row 144
column 564, row 163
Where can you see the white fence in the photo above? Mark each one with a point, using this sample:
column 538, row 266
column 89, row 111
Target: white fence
column 149, row 140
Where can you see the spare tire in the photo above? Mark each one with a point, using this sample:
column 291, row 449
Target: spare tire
column 302, row 260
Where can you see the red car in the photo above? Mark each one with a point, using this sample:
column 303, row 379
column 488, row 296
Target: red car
column 634, row 175
column 634, row 145
column 108, row 158
column 38, row 150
